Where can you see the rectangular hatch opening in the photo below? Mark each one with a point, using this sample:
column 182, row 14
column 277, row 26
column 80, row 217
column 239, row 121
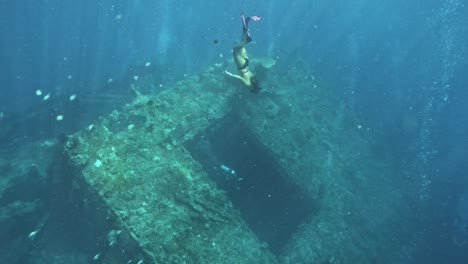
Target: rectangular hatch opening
column 245, row 169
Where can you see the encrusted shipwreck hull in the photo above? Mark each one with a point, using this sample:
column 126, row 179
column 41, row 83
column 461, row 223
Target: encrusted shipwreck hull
column 142, row 162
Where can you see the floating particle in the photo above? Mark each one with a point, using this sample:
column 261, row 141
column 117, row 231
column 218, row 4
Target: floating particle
column 148, row 64
column 221, row 55
column 135, row 77
column 131, row 126
column 72, row 97
column 69, row 77
column 96, row 257
column 59, row 118
column 160, row 85
column 110, row 80
column 46, row 97
column 38, row 92
column 359, row 126
column 215, row 41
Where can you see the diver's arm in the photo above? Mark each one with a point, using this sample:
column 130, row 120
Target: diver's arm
column 238, row 77
column 233, row 75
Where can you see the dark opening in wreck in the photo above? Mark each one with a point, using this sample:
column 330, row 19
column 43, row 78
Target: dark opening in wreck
column 246, row 170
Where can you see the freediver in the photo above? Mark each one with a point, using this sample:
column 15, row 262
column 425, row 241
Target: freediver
column 242, row 60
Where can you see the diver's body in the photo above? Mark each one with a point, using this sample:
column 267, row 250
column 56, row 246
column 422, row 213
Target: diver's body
column 242, row 60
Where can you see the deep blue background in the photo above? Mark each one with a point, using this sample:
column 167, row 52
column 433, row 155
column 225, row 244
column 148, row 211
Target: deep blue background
column 401, row 65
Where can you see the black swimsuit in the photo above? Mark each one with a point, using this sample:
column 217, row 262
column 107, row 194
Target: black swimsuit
column 246, row 64
column 243, row 69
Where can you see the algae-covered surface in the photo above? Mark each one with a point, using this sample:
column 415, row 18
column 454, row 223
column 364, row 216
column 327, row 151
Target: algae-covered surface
column 319, row 182
column 327, row 154
column 135, row 160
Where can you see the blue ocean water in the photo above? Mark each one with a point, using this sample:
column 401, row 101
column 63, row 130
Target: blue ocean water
column 400, row 65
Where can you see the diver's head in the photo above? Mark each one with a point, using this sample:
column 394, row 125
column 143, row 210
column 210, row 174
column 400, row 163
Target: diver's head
column 254, row 85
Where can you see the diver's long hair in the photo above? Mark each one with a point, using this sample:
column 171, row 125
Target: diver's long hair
column 254, row 85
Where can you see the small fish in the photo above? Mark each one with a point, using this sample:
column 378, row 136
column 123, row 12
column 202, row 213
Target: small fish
column 97, row 256
column 227, row 169
column 33, row 234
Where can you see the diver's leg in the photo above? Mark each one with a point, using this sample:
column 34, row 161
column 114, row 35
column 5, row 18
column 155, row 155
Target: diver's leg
column 245, row 38
column 245, row 22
